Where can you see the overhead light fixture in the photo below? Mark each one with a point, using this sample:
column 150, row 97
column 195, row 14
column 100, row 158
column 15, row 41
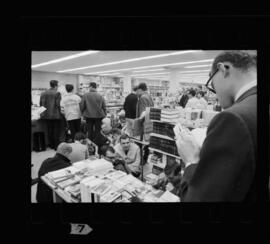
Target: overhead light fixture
column 81, row 54
column 151, row 74
column 147, row 70
column 152, row 66
column 193, row 71
column 198, row 66
column 131, row 60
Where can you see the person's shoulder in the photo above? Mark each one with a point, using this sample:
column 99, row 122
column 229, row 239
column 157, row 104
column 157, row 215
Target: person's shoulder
column 134, row 145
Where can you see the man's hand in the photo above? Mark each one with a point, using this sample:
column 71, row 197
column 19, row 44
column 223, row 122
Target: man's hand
column 188, row 148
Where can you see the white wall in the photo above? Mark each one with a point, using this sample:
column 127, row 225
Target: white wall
column 42, row 79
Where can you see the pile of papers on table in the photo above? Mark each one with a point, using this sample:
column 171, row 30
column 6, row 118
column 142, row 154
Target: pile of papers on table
column 168, row 197
column 170, row 115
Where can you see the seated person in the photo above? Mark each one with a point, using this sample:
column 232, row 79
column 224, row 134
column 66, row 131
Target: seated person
column 172, row 180
column 59, row 161
column 129, row 152
column 107, row 135
column 109, row 154
column 79, row 148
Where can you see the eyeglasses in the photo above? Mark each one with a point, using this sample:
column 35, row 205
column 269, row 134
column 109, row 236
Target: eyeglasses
column 212, row 89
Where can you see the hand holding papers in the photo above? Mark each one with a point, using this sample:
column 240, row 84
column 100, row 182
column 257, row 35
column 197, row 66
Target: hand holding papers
column 187, row 145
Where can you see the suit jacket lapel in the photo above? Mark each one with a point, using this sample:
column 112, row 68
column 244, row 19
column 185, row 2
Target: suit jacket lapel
column 249, row 92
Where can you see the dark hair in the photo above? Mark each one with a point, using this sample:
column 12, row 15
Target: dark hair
column 79, row 136
column 53, row 83
column 105, row 148
column 242, row 60
column 142, row 86
column 116, row 131
column 135, row 88
column 124, row 136
column 192, row 92
column 93, row 84
column 69, row 87
column 201, row 93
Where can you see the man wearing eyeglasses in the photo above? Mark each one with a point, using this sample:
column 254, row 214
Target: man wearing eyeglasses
column 224, row 168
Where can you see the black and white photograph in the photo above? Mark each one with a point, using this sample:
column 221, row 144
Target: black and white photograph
column 148, row 126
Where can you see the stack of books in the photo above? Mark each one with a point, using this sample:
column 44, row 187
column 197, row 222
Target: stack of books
column 164, row 145
column 86, row 186
column 155, row 113
column 99, row 167
column 165, row 129
column 170, row 115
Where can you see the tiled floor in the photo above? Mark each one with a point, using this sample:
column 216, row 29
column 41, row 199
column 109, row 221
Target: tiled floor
column 39, row 157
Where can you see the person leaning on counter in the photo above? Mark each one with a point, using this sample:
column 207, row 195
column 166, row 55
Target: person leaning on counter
column 225, row 167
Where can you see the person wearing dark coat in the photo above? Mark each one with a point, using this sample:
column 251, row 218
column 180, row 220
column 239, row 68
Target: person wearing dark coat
column 59, row 161
column 50, row 99
column 225, row 168
column 93, row 108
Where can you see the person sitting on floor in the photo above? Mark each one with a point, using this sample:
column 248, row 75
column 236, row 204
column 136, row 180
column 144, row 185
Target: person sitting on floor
column 129, row 152
column 79, row 148
column 109, row 154
column 59, row 161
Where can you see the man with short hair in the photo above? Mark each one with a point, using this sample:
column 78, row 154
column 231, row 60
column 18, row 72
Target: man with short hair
column 144, row 100
column 130, row 105
column 130, row 153
column 50, row 99
column 109, row 154
column 71, row 106
column 59, row 161
column 202, row 103
column 225, row 167
column 193, row 102
column 94, row 110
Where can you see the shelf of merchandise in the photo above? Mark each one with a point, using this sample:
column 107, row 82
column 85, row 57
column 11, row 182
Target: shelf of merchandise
column 162, row 136
column 162, row 152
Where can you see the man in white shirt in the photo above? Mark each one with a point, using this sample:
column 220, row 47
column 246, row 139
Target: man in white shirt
column 201, row 100
column 79, row 148
column 193, row 101
column 71, row 108
column 130, row 153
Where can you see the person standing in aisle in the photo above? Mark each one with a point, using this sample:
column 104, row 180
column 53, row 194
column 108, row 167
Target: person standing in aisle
column 201, row 101
column 71, row 106
column 193, row 101
column 50, row 99
column 225, row 167
column 130, row 105
column 94, row 110
column 144, row 100
column 184, row 99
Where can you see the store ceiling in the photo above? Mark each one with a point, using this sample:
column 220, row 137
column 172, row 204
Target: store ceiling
column 107, row 62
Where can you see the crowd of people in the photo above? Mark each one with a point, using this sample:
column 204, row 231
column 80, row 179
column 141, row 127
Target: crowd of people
column 223, row 169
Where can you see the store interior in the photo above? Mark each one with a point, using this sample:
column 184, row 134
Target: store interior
column 166, row 73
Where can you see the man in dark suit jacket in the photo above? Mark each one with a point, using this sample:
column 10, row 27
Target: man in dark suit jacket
column 93, row 109
column 50, row 99
column 225, row 168
column 59, row 161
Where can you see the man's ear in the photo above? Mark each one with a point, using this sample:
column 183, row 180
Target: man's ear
column 224, row 68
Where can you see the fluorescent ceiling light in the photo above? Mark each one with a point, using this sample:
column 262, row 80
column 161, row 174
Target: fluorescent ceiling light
column 147, row 70
column 131, row 60
column 65, row 58
column 151, row 66
column 152, row 74
column 198, row 66
column 193, row 71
